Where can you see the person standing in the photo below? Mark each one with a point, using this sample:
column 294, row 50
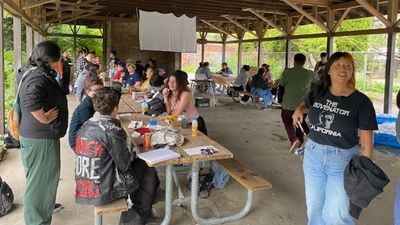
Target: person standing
column 341, row 119
column 319, row 67
column 66, row 67
column 44, row 120
column 296, row 82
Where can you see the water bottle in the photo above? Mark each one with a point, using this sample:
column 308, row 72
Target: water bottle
column 195, row 131
column 153, row 121
column 184, row 122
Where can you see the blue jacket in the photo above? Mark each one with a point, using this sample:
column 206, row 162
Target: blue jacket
column 82, row 113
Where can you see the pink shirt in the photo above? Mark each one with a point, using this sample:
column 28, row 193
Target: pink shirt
column 189, row 112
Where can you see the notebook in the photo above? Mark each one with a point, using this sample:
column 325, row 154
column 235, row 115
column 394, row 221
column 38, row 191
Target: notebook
column 158, row 155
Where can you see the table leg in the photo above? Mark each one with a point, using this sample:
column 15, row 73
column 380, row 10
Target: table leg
column 214, row 220
column 177, row 184
column 168, row 195
column 212, row 93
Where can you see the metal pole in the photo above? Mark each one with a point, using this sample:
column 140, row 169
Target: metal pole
column 168, row 195
column 2, row 100
column 202, row 50
column 365, row 70
column 223, row 51
column 35, row 37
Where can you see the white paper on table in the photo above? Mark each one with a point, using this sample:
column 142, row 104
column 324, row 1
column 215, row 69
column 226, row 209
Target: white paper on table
column 197, row 150
column 158, row 155
column 135, row 134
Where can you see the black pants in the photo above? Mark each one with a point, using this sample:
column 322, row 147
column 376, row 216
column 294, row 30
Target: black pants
column 144, row 197
column 202, row 125
column 248, row 89
column 293, row 132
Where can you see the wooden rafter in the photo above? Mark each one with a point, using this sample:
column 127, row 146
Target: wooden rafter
column 218, row 28
column 36, row 4
column 324, row 3
column 239, row 25
column 296, row 25
column 85, row 14
column 308, row 16
column 336, row 26
column 77, row 14
column 268, row 21
column 367, row 6
column 87, row 3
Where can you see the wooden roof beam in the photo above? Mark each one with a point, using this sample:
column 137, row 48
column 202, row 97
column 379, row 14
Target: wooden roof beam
column 269, row 22
column 374, row 12
column 345, row 13
column 36, row 4
column 308, row 16
column 86, row 3
column 75, row 15
column 296, row 25
column 239, row 25
column 78, row 17
column 324, row 3
column 219, row 29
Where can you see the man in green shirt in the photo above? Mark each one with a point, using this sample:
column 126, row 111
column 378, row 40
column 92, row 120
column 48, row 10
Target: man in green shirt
column 296, row 82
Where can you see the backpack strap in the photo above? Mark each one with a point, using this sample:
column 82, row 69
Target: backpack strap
column 22, row 79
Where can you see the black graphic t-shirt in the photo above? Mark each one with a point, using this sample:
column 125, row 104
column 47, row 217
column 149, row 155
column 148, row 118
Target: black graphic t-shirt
column 335, row 120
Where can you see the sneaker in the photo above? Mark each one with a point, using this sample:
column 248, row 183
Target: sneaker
column 295, row 144
column 243, row 102
column 266, row 108
column 155, row 218
column 57, row 207
column 299, row 151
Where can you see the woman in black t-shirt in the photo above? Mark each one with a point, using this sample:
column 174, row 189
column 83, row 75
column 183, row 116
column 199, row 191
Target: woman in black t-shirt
column 341, row 118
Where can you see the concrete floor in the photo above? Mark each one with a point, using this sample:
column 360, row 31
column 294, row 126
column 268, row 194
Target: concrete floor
column 257, row 139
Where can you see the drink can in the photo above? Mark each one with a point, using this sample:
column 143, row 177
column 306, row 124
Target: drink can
column 147, row 141
column 129, row 89
column 133, row 95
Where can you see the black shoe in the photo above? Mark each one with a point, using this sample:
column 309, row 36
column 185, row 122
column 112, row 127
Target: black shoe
column 57, row 207
column 160, row 195
column 155, row 218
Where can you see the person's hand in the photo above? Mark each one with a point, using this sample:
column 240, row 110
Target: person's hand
column 166, row 91
column 297, row 117
column 52, row 114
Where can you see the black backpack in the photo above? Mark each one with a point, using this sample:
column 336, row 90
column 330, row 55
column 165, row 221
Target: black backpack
column 6, row 198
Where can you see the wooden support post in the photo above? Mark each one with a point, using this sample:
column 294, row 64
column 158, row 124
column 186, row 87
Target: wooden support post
column 2, row 99
column 105, row 47
column 109, row 45
column 240, row 34
column 35, row 37
column 74, row 44
column 329, row 45
column 202, row 51
column 393, row 7
column 29, row 41
column 17, row 31
column 178, row 60
column 224, row 37
column 260, row 53
column 203, row 36
column 391, row 47
column 330, row 22
column 288, row 52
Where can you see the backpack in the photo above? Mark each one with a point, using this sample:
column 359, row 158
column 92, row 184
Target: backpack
column 6, row 198
column 14, row 115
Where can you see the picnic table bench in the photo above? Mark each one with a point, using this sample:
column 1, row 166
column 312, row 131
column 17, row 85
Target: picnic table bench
column 119, row 205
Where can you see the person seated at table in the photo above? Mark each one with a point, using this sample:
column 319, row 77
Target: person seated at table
column 105, row 169
column 199, row 70
column 132, row 79
column 226, row 71
column 267, row 74
column 121, row 72
column 259, row 87
column 178, row 99
column 84, row 111
column 90, row 69
column 240, row 83
column 146, row 86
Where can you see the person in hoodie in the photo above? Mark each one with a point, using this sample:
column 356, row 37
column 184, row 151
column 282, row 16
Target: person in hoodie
column 341, row 118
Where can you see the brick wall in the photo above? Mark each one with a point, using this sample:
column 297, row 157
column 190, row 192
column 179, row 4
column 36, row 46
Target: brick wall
column 125, row 40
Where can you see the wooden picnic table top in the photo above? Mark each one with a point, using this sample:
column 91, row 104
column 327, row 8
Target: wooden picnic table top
column 123, row 107
column 190, row 142
column 133, row 104
column 223, row 80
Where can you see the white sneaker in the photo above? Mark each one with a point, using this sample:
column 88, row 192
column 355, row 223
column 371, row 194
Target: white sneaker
column 243, row 102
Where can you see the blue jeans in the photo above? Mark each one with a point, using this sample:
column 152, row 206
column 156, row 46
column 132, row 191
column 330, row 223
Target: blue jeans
column 264, row 93
column 397, row 205
column 326, row 199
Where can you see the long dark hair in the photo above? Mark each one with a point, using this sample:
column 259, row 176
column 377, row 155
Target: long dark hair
column 181, row 83
column 44, row 53
column 321, row 87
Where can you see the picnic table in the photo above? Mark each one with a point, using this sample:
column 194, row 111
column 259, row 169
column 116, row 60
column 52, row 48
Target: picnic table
column 195, row 160
column 223, row 80
column 134, row 105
